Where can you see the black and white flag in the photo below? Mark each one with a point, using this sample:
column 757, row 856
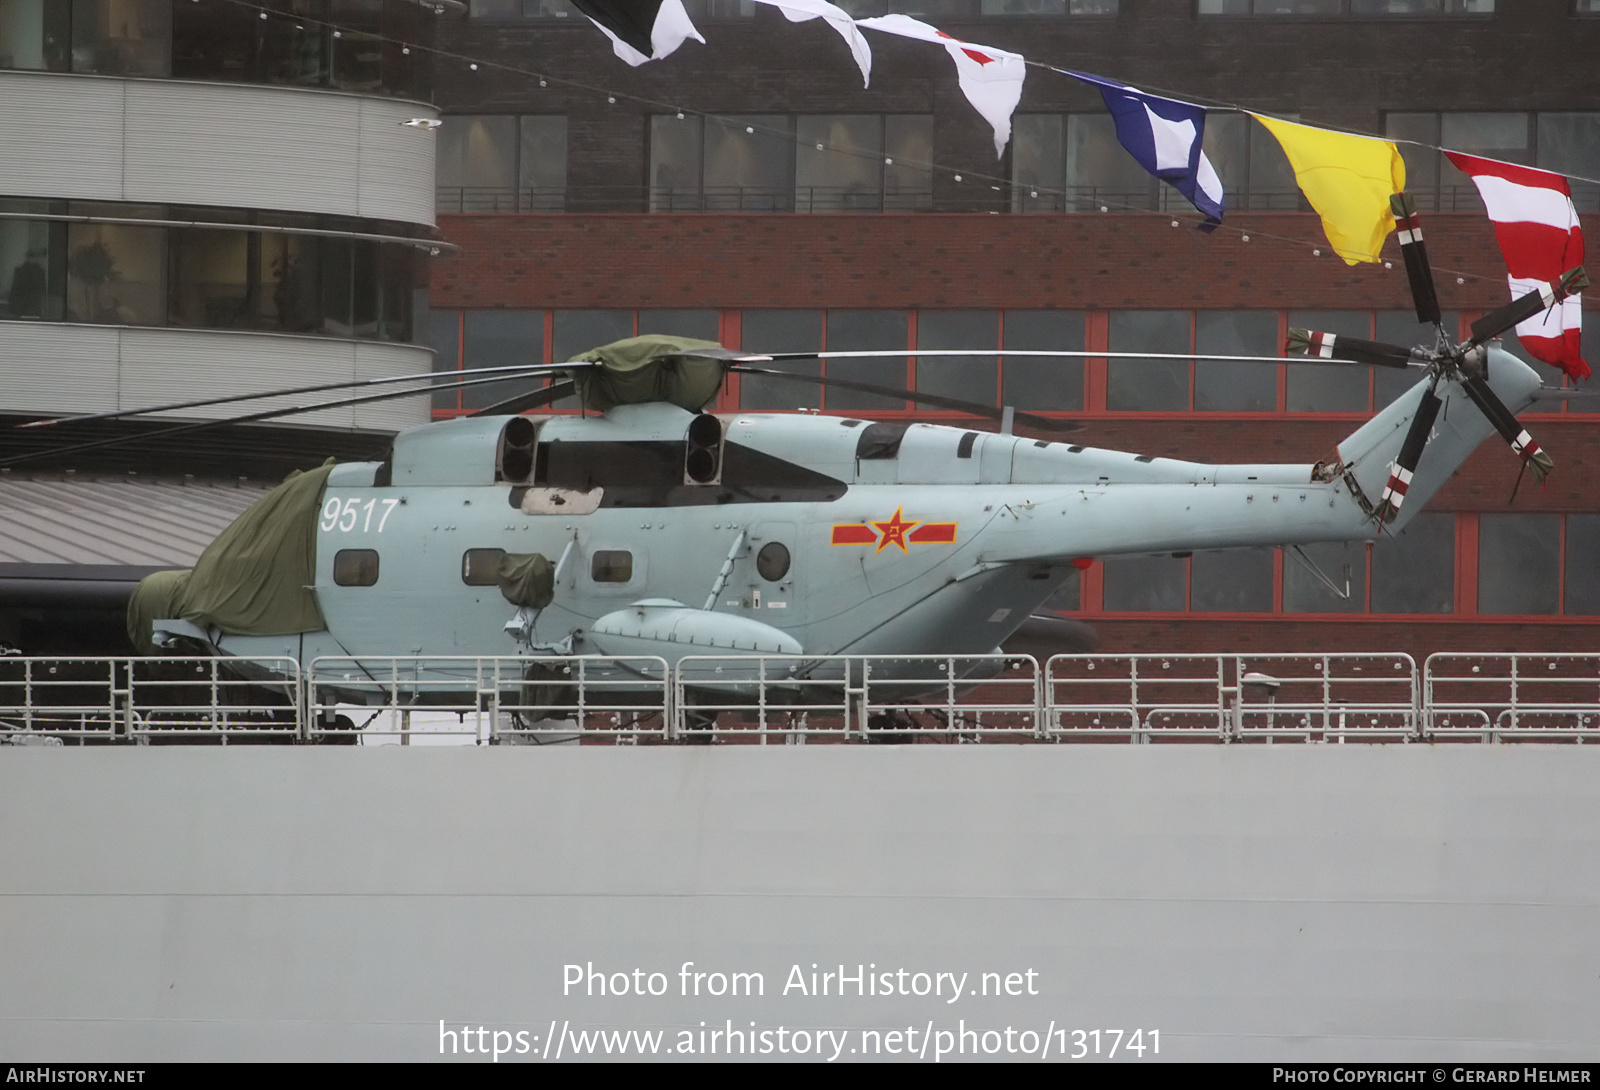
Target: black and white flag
column 641, row 30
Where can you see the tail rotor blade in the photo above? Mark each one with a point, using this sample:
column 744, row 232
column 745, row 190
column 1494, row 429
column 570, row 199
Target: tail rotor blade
column 1338, row 349
column 1531, row 305
column 1418, row 271
column 1522, row 444
column 1405, row 465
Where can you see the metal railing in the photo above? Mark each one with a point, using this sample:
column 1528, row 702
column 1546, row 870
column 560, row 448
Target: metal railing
column 1231, row 698
column 1142, row 698
column 141, row 699
column 507, row 700
column 873, row 698
column 1552, row 696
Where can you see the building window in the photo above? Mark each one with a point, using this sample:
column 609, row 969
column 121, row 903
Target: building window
column 1519, row 563
column 1231, row 581
column 777, row 163
column 1562, row 141
column 199, row 278
column 1330, row 387
column 782, row 331
column 1146, row 584
column 1587, row 7
column 971, row 378
column 1414, row 571
column 35, row 34
column 703, row 325
column 1345, row 566
column 502, row 163
column 33, row 269
column 511, row 10
column 1148, row 385
column 1041, row 382
column 294, row 43
column 500, row 338
column 1347, row 7
column 866, row 330
column 1230, row 385
column 1074, row 163
column 1581, row 574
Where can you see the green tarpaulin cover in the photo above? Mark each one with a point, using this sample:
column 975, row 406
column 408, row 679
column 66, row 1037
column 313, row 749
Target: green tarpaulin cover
column 527, row 579
column 652, row 368
column 255, row 579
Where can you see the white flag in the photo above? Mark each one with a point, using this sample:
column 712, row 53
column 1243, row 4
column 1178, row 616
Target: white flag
column 800, row 11
column 990, row 78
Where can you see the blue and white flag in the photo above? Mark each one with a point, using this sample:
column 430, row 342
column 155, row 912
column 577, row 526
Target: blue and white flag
column 1164, row 135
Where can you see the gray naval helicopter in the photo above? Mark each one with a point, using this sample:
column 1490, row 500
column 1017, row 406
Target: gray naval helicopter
column 649, row 527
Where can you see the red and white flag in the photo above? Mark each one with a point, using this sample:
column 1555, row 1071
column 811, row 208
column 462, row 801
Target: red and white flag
column 1540, row 239
column 990, row 78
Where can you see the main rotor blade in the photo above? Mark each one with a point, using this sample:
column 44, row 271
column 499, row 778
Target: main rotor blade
column 1505, row 422
column 972, row 408
column 1405, row 465
column 1531, row 305
column 509, row 370
column 1339, row 349
column 1412, row 249
column 531, row 400
column 250, row 418
column 889, row 353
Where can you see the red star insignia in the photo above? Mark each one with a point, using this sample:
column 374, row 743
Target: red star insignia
column 893, row 532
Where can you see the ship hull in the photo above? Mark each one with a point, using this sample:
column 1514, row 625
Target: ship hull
column 1284, row 902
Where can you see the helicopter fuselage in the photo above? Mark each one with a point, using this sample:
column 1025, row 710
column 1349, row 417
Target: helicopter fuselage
column 844, row 536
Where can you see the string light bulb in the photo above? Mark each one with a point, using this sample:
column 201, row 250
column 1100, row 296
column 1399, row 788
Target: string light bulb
column 542, row 83
column 611, row 100
column 958, row 177
column 1244, row 238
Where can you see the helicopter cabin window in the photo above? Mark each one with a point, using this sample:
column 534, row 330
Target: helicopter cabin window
column 1330, row 387
column 1036, row 382
column 355, row 567
column 1155, row 384
column 480, row 567
column 1414, row 571
column 772, row 562
column 1519, row 563
column 611, row 566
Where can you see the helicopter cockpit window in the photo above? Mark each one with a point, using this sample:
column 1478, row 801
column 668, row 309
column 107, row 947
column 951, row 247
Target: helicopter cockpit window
column 772, row 562
column 479, row 567
column 611, row 566
column 355, row 567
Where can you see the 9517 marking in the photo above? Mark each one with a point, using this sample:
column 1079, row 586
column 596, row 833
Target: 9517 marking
column 346, row 515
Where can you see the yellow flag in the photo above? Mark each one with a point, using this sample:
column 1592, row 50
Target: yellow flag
column 1348, row 180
